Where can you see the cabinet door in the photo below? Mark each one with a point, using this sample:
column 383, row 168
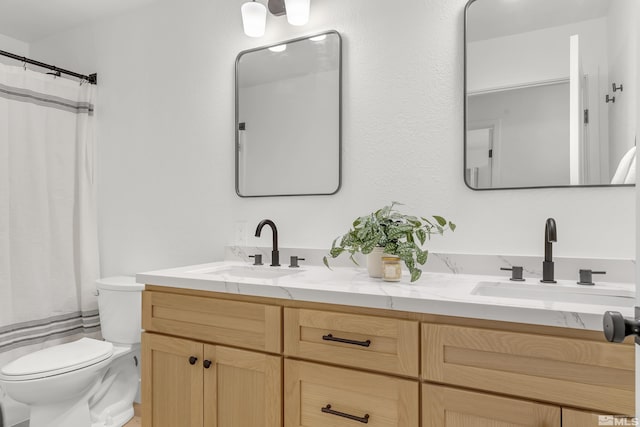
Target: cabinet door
column 450, row 407
column 171, row 384
column 241, row 388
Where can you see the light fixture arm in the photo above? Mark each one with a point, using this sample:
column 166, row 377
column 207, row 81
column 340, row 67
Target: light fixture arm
column 276, row 7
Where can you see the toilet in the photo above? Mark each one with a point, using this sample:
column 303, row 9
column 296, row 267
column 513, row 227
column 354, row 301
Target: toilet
column 88, row 382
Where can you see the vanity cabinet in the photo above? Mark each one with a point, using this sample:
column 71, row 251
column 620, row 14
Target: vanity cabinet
column 277, row 362
column 188, row 383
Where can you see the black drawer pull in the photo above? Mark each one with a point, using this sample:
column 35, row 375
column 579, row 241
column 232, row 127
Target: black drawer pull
column 330, row 337
column 206, row 364
column 193, row 360
column 327, row 410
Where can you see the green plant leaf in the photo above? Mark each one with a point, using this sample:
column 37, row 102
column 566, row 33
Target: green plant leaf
column 452, row 226
column 391, row 248
column 335, row 252
column 415, row 274
column 326, row 262
column 422, row 235
column 421, row 257
column 440, row 220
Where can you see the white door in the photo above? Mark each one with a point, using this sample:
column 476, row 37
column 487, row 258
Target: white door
column 576, row 114
column 479, row 157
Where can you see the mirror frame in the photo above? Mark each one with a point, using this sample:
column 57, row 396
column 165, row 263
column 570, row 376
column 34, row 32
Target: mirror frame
column 237, row 115
column 465, row 114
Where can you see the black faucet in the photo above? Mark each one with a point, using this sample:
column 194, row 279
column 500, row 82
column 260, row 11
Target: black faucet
column 275, row 254
column 550, row 235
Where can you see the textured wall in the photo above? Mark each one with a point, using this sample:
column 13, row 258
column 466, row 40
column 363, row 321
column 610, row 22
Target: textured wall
column 166, row 137
column 12, row 45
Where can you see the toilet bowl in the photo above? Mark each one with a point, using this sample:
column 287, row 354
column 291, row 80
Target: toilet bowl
column 85, row 383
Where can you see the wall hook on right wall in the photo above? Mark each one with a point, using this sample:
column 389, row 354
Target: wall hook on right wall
column 609, row 99
column 616, row 88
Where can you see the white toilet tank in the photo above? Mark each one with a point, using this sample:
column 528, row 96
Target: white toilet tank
column 120, row 307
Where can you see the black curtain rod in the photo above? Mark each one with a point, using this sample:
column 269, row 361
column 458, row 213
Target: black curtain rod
column 91, row 78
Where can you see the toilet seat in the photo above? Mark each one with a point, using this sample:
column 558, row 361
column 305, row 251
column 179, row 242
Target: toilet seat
column 57, row 360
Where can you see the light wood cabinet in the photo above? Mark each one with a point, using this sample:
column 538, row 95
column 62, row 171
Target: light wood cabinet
column 322, row 396
column 450, row 407
column 579, row 418
column 571, row 372
column 289, row 363
column 369, row 342
column 172, row 388
column 234, row 323
column 187, row 383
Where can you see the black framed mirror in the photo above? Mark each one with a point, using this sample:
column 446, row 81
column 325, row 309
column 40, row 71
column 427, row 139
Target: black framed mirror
column 288, row 118
column 545, row 97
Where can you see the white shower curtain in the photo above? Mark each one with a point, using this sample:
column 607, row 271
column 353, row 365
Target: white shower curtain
column 48, row 231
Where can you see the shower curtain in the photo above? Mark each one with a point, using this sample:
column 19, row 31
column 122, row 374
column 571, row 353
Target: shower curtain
column 48, row 232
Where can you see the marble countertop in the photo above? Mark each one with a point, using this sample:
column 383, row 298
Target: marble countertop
column 435, row 293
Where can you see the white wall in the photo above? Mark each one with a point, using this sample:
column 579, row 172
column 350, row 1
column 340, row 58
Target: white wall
column 543, row 55
column 286, row 120
column 166, row 138
column 533, row 145
column 18, row 47
column 535, row 56
column 622, row 48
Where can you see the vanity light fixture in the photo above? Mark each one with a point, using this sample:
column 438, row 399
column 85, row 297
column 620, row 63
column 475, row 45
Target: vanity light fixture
column 254, row 18
column 297, row 11
column 254, row 14
column 278, row 48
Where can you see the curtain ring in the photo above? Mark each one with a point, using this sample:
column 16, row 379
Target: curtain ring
column 24, row 65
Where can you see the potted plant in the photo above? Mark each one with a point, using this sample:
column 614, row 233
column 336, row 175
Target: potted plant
column 391, row 232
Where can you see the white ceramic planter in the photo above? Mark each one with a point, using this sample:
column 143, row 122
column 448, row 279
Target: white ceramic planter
column 374, row 262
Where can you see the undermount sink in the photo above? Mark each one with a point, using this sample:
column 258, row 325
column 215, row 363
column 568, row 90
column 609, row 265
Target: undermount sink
column 249, row 271
column 557, row 293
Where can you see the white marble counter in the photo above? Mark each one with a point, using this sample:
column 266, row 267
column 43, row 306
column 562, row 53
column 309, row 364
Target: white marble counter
column 435, row 293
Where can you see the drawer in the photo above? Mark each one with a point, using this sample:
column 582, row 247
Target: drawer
column 567, row 371
column 323, row 396
column 450, row 407
column 239, row 324
column 369, row 342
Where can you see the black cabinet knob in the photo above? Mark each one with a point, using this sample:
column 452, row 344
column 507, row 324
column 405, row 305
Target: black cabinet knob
column 206, row 364
column 616, row 327
column 193, row 360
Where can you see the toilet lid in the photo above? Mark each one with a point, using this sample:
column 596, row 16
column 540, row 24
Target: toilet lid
column 58, row 359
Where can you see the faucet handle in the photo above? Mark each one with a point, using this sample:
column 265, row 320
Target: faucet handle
column 257, row 259
column 516, row 273
column 294, row 261
column 586, row 278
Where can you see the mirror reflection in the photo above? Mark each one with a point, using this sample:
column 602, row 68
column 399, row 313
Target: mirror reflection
column 549, row 92
column 288, row 118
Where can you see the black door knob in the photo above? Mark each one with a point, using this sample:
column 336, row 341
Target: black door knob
column 616, row 327
column 193, row 360
column 207, row 364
